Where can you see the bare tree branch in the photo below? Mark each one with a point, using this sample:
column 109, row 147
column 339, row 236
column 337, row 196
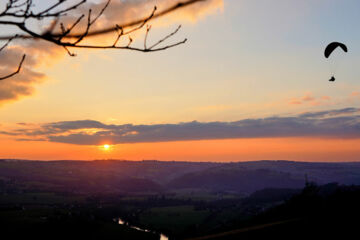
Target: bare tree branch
column 136, row 22
column 18, row 12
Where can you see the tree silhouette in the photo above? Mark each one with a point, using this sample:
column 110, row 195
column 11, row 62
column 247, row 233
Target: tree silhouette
column 61, row 32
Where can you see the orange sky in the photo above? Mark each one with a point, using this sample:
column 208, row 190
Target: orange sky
column 300, row 149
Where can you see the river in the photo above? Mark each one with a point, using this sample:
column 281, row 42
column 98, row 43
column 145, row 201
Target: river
column 122, row 222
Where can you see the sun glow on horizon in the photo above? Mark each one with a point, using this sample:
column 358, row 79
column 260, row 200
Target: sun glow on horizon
column 106, row 147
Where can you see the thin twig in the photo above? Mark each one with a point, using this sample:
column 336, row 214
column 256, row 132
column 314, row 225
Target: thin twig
column 17, row 71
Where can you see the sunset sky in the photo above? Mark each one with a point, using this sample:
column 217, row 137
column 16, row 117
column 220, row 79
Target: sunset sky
column 251, row 83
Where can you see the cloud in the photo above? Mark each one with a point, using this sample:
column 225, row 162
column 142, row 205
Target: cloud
column 331, row 113
column 309, row 99
column 41, row 52
column 38, row 54
column 339, row 123
column 23, row 83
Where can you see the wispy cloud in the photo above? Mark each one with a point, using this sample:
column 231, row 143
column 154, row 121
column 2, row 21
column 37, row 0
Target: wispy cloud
column 343, row 123
column 355, row 94
column 309, row 99
column 331, row 113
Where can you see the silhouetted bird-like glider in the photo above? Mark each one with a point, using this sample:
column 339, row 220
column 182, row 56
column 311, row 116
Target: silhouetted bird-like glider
column 330, row 49
column 332, row 46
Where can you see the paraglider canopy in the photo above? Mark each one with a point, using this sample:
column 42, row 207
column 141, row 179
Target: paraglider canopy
column 332, row 46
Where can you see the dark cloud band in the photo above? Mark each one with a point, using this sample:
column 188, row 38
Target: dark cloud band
column 341, row 123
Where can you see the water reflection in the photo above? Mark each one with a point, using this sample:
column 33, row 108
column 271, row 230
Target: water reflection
column 122, row 222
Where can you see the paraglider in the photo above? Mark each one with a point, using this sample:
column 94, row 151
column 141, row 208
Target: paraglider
column 330, row 49
column 332, row 46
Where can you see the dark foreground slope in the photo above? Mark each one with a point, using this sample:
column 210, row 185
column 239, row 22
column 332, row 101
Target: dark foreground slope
column 316, row 213
column 67, row 199
column 312, row 213
column 62, row 231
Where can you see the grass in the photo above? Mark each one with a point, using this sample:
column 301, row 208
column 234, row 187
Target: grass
column 177, row 218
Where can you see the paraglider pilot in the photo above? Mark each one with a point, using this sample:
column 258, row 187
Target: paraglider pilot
column 330, row 48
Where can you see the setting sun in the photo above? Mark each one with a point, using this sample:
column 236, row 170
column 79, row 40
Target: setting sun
column 106, row 146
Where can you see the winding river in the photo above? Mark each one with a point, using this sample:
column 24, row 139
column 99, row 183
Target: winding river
column 122, row 222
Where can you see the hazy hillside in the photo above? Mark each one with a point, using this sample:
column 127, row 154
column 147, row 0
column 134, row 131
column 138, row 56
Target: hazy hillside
column 240, row 180
column 322, row 173
column 155, row 176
